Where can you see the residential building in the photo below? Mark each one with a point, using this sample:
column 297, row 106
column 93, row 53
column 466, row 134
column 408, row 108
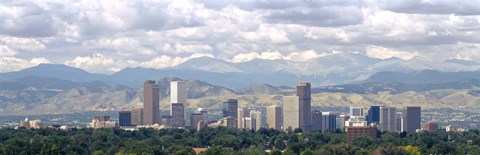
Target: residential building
column 354, row 132
column 431, row 126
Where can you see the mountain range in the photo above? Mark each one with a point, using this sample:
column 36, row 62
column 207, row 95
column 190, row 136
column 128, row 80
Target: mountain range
column 335, row 69
column 342, row 80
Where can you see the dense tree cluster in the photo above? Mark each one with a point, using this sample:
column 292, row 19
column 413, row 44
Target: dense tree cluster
column 226, row 141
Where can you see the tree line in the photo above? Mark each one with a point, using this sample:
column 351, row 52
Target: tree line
column 222, row 140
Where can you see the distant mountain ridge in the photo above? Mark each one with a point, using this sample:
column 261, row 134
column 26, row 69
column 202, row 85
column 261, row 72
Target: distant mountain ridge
column 335, row 69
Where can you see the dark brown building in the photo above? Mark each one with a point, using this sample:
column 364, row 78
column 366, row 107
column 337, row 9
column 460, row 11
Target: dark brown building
column 304, row 95
column 151, row 103
column 354, row 132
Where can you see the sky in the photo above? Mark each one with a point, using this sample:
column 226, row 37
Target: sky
column 105, row 36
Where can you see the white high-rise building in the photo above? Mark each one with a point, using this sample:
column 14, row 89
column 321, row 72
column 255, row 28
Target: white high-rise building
column 291, row 112
column 356, row 111
column 178, row 92
column 178, row 99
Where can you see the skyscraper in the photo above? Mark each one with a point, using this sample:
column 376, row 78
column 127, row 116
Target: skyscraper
column 274, row 117
column 137, row 116
column 195, row 118
column 316, row 120
column 256, row 117
column 356, row 111
column 178, row 115
column 230, row 109
column 387, row 119
column 125, row 118
column 151, row 99
column 373, row 115
column 329, row 121
column 291, row 113
column 304, row 96
column 242, row 114
column 412, row 119
column 178, row 92
column 178, row 97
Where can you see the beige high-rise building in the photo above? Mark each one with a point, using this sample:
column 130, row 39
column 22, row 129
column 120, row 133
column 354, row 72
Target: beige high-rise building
column 151, row 103
column 256, row 117
column 242, row 114
column 274, row 117
column 291, row 113
column 387, row 119
column 304, row 96
column 137, row 116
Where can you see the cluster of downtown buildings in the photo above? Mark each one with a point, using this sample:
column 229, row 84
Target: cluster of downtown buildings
column 294, row 113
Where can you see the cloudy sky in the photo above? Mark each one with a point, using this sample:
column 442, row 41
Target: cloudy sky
column 107, row 35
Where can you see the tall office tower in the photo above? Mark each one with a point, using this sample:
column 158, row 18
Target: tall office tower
column 204, row 114
column 304, row 96
column 387, row 119
column 399, row 121
column 178, row 97
column 373, row 115
column 316, row 120
column 242, row 113
column 356, row 111
column 274, row 117
column 248, row 123
column 342, row 120
column 412, row 119
column 329, row 121
column 291, row 113
column 137, row 116
column 178, row 92
column 194, row 119
column 178, row 115
column 230, row 109
column 125, row 118
column 151, row 105
column 256, row 117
